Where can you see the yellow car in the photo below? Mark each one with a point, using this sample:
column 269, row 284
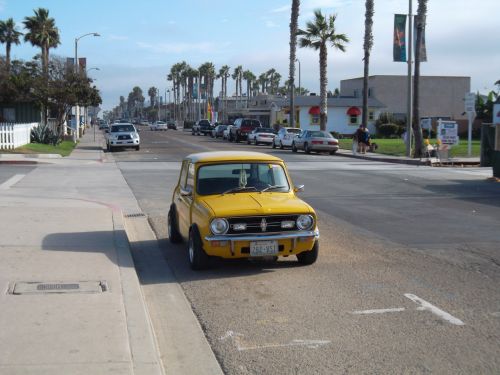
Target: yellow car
column 240, row 205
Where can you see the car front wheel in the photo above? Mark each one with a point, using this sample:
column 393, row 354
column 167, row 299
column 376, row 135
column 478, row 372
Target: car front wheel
column 309, row 257
column 173, row 232
column 307, row 149
column 198, row 259
column 294, row 148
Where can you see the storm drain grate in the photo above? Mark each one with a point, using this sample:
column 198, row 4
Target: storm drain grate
column 139, row 214
column 35, row 287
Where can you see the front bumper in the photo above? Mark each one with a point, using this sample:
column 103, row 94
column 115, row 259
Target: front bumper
column 235, row 246
column 125, row 143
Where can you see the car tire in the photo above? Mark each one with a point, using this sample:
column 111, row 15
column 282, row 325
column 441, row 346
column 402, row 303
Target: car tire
column 237, row 139
column 273, row 145
column 333, row 152
column 137, row 148
column 281, row 145
column 193, row 133
column 309, row 257
column 173, row 232
column 111, row 148
column 248, row 141
column 255, row 142
column 198, row 259
column 294, row 148
column 306, row 148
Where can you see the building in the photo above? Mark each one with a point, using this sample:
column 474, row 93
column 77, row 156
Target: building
column 263, row 107
column 343, row 113
column 440, row 97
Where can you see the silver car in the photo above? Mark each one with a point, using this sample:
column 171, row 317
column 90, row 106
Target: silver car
column 315, row 140
column 261, row 135
column 122, row 135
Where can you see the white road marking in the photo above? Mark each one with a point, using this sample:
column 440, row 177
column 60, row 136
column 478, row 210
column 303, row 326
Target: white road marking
column 426, row 306
column 11, row 181
column 378, row 311
column 237, row 338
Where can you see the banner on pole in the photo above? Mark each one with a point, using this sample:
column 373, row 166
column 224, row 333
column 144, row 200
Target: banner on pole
column 423, row 49
column 399, row 44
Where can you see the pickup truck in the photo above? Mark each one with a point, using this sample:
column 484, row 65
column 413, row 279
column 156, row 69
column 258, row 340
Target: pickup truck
column 202, row 127
column 242, row 127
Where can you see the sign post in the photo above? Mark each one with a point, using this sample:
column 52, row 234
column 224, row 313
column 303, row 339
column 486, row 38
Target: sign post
column 470, row 108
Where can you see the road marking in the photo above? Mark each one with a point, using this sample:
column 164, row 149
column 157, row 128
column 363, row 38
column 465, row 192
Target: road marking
column 378, row 311
column 11, row 181
column 426, row 306
column 238, row 340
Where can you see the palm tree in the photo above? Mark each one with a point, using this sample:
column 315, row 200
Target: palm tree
column 275, row 83
column 420, row 26
column 367, row 46
column 237, row 76
column 152, row 93
column 9, row 35
column 224, row 75
column 294, row 21
column 43, row 33
column 319, row 32
column 270, row 78
column 249, row 77
column 263, row 82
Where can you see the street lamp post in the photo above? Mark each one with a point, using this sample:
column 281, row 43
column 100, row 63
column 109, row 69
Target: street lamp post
column 77, row 108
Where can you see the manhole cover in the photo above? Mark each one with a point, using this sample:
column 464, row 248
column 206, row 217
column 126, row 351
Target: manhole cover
column 36, row 287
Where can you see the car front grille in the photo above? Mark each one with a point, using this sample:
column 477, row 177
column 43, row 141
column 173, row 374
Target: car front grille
column 121, row 137
column 262, row 224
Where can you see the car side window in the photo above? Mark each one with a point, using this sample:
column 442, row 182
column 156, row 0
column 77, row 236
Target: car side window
column 182, row 179
column 190, row 177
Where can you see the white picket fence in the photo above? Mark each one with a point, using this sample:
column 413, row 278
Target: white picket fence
column 15, row 135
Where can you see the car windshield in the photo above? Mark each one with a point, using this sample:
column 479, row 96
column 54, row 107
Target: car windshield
column 265, row 130
column 320, row 134
column 122, row 128
column 241, row 177
column 295, row 131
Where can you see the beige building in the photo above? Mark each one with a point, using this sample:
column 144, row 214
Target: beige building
column 440, row 97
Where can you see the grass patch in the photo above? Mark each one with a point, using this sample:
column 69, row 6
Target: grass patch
column 396, row 147
column 64, row 149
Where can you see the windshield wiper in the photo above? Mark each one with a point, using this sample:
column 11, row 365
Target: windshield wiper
column 239, row 189
column 272, row 187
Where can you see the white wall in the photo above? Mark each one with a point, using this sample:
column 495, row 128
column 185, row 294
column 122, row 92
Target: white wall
column 338, row 120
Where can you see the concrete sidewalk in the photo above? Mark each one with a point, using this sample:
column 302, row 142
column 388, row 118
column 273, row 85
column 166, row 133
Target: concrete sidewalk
column 71, row 302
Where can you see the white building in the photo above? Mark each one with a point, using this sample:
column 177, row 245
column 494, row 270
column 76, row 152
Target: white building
column 343, row 114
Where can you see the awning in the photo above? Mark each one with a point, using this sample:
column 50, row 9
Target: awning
column 314, row 110
column 354, row 111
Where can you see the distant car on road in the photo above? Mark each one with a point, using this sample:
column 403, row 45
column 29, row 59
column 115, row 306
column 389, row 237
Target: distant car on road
column 242, row 127
column 315, row 140
column 202, row 127
column 218, row 131
column 158, row 125
column 285, row 137
column 261, row 135
column 144, row 123
column 171, row 125
column 122, row 135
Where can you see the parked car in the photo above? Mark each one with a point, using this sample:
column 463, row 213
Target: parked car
column 122, row 135
column 218, row 131
column 285, row 137
column 225, row 132
column 240, row 205
column 171, row 125
column 158, row 125
column 315, row 140
column 202, row 127
column 144, row 123
column 261, row 135
column 242, row 127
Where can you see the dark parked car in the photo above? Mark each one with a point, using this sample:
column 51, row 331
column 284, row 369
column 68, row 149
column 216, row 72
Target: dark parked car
column 171, row 125
column 202, row 127
column 242, row 127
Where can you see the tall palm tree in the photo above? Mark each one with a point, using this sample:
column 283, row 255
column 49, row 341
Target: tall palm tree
column 237, row 76
column 294, row 25
column 263, row 82
column 9, row 35
column 43, row 33
column 249, row 77
column 275, row 83
column 417, row 129
column 317, row 35
column 152, row 93
column 224, row 75
column 270, row 78
column 367, row 46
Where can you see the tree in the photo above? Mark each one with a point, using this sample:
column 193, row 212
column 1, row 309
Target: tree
column 9, row 35
column 43, row 33
column 249, row 77
column 270, row 79
column 417, row 129
column 294, row 20
column 317, row 35
column 152, row 93
column 367, row 46
column 224, row 75
column 263, row 82
column 237, row 76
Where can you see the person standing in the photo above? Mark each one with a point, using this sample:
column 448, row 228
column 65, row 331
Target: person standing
column 363, row 136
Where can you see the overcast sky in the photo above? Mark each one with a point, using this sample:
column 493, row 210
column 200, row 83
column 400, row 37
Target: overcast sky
column 140, row 41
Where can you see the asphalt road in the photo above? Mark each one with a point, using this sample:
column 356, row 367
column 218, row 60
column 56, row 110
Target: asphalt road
column 406, row 282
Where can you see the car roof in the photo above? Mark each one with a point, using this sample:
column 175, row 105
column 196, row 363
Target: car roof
column 240, row 156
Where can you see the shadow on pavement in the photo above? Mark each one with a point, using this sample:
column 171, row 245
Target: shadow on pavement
column 478, row 191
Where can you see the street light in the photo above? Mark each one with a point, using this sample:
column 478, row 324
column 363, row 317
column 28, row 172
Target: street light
column 77, row 108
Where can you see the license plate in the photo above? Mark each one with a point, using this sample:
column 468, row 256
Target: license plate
column 263, row 248
column 325, row 142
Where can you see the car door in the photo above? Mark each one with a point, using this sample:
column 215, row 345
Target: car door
column 299, row 140
column 184, row 198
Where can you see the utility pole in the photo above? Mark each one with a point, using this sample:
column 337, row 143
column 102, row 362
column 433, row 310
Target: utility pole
column 409, row 128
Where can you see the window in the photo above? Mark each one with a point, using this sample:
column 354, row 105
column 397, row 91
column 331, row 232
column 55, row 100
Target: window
column 190, row 177
column 353, row 120
column 315, row 119
column 182, row 179
column 371, row 115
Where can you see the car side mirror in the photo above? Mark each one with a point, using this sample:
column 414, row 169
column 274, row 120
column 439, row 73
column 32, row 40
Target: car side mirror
column 185, row 192
column 298, row 189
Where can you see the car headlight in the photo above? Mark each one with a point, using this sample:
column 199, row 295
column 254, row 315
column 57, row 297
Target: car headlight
column 305, row 222
column 219, row 226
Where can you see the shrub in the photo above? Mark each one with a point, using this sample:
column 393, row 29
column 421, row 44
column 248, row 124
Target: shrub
column 388, row 130
column 44, row 135
column 336, row 135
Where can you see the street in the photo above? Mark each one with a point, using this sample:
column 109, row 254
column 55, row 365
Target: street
column 406, row 281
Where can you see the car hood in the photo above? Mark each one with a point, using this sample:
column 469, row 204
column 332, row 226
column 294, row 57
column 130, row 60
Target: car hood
column 249, row 204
